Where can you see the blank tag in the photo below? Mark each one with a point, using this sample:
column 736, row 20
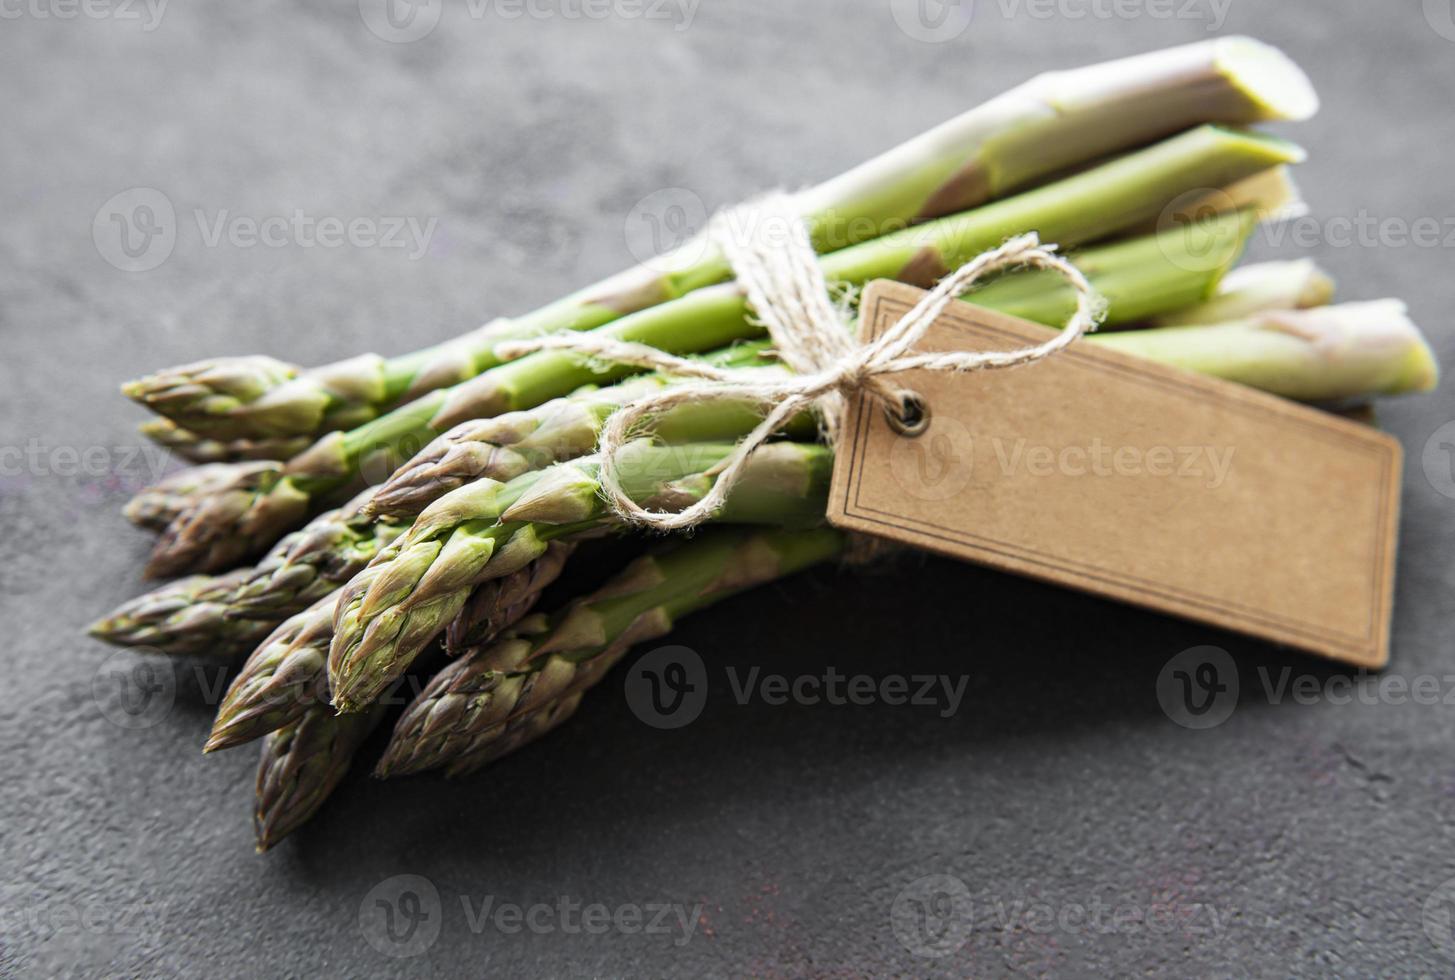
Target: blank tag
column 1127, row 479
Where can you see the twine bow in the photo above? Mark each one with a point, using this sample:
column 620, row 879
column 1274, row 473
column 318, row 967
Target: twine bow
column 779, row 271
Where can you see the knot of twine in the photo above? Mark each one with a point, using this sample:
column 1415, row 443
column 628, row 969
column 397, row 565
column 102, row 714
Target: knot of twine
column 768, row 246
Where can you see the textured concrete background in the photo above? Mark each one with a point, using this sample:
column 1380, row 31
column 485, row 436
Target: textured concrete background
column 1295, row 839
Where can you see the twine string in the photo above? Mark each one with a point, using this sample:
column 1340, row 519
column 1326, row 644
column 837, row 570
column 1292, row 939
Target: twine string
column 768, row 246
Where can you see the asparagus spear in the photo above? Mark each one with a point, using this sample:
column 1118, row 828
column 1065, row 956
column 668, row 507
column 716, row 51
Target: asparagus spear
column 1324, row 354
column 226, row 615
column 193, row 615
column 244, row 507
column 194, row 393
column 1136, row 277
column 246, row 516
column 284, row 677
column 1050, row 124
column 158, row 505
column 287, row 675
column 301, row 764
column 497, row 605
column 494, row 699
column 392, row 609
column 1260, row 288
column 509, row 445
column 522, row 730
column 198, row 449
column 233, row 398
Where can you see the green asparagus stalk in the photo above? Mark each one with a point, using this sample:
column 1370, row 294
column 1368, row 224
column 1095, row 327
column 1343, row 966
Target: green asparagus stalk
column 247, row 516
column 301, row 764
column 1260, row 288
column 494, row 699
column 192, row 394
column 509, row 445
column 526, row 728
column 242, row 508
column 162, row 503
column 1271, row 193
column 287, row 675
column 1052, row 123
column 196, row 615
column 1329, row 353
column 1137, row 277
column 227, row 615
column 198, row 449
column 259, row 398
column 497, row 605
column 392, row 609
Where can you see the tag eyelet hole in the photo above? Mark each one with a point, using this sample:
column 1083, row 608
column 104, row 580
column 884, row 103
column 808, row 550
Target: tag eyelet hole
column 911, row 418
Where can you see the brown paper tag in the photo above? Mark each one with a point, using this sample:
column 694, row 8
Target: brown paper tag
column 1124, row 478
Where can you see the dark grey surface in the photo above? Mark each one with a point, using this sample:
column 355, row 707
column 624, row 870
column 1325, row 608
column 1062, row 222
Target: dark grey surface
column 1295, row 839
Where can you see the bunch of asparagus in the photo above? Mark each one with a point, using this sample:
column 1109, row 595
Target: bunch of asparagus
column 410, row 512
